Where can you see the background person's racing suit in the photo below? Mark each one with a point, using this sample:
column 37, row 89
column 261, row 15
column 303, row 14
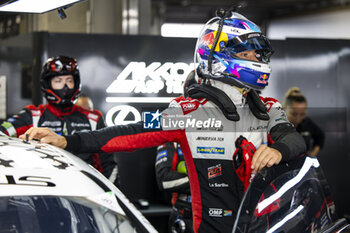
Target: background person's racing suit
column 171, row 175
column 208, row 148
column 76, row 119
column 312, row 133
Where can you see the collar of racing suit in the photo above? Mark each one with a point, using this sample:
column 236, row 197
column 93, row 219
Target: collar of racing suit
column 234, row 93
column 59, row 112
column 241, row 96
column 226, row 97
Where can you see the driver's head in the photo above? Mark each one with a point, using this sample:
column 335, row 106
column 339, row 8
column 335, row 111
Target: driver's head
column 233, row 50
column 60, row 80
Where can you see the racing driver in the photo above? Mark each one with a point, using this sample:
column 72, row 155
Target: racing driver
column 60, row 84
column 233, row 63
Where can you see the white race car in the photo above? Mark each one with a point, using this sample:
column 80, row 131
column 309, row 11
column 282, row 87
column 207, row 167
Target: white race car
column 44, row 189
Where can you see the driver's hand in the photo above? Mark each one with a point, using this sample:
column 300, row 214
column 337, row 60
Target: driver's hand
column 265, row 156
column 45, row 135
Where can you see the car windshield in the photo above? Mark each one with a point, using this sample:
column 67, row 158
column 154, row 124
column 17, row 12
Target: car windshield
column 289, row 198
column 42, row 214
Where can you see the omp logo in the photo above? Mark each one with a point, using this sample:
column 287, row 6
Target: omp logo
column 139, row 78
column 92, row 116
column 210, row 150
column 213, row 212
column 36, row 112
column 188, row 106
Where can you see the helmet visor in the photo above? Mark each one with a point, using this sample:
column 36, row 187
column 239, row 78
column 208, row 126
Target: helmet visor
column 251, row 41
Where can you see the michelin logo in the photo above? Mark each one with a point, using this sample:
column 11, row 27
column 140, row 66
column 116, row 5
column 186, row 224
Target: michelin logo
column 210, row 150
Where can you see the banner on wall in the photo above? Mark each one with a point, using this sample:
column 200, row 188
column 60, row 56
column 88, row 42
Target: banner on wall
column 126, row 75
column 167, row 78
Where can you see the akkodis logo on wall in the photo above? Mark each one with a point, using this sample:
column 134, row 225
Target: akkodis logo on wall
column 139, row 78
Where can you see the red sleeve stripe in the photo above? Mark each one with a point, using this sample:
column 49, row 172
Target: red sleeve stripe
column 270, row 141
column 194, row 184
column 23, row 129
column 141, row 140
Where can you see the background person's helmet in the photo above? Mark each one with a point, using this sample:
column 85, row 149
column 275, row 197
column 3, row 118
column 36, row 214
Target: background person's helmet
column 56, row 66
column 221, row 38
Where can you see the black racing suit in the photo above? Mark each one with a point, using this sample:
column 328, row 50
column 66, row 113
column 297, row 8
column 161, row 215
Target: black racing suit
column 76, row 119
column 312, row 134
column 207, row 140
column 171, row 175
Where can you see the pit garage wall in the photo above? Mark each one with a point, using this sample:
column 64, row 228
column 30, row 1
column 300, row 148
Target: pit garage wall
column 111, row 67
column 319, row 67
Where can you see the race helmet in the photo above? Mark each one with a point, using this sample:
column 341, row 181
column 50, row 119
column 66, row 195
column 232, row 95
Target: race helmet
column 221, row 39
column 57, row 66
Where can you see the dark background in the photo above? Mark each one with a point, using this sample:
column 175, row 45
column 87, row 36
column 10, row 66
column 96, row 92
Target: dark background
column 319, row 67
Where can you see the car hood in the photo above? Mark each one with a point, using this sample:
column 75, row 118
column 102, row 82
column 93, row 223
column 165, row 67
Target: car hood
column 31, row 168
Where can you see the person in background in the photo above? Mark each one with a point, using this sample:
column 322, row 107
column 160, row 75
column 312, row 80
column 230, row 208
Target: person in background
column 295, row 105
column 171, row 175
column 60, row 84
column 85, row 101
column 230, row 120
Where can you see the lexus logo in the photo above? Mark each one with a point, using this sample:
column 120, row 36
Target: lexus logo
column 122, row 115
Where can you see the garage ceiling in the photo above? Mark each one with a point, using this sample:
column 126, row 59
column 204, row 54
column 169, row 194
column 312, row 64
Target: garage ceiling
column 259, row 11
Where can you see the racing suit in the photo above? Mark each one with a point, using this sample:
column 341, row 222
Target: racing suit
column 172, row 176
column 77, row 119
column 312, row 133
column 207, row 140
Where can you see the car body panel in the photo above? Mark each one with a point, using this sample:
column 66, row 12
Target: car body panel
column 35, row 169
